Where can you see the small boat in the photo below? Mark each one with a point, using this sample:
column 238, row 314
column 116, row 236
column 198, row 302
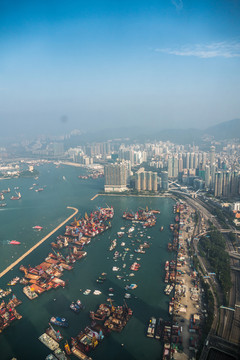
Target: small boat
column 14, row 242
column 115, row 268
column 6, row 191
column 37, row 227
column 38, row 190
column 97, row 292
column 79, row 303
column 131, row 230
column 161, row 228
column 131, row 287
column 59, row 321
column 3, row 205
column 18, row 197
column 87, row 292
column 100, row 281
column 74, row 307
column 120, row 234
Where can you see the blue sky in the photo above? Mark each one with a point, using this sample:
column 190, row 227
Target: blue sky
column 163, row 64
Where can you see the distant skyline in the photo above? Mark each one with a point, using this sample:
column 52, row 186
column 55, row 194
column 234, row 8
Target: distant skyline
column 98, row 64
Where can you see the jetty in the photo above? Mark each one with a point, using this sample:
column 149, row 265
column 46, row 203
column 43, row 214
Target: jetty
column 39, row 243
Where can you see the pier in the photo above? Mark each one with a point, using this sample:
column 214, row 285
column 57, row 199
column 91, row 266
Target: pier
column 38, row 244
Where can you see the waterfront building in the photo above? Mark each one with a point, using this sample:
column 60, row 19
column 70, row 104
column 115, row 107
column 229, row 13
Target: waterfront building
column 145, row 180
column 128, row 165
column 115, row 177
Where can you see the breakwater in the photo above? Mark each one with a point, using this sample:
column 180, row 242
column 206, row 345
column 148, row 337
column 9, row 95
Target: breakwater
column 38, row 244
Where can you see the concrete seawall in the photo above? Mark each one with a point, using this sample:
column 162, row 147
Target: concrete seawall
column 38, row 244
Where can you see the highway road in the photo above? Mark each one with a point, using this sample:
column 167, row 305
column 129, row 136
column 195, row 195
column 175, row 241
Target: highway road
column 228, row 326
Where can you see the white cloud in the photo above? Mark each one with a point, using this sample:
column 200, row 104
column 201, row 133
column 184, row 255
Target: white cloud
column 178, row 4
column 218, row 49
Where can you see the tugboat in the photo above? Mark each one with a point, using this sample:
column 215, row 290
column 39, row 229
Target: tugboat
column 67, row 348
column 59, row 321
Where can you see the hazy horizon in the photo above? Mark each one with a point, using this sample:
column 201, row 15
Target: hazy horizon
column 105, row 64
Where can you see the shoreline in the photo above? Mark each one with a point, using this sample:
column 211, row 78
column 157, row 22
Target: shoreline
column 38, row 243
column 90, row 166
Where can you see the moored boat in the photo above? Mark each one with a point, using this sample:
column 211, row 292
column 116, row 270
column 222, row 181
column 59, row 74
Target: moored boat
column 159, row 329
column 48, row 341
column 18, row 197
column 59, row 321
column 74, row 307
column 151, row 327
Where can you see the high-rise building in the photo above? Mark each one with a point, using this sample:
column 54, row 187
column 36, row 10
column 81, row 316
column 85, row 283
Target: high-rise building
column 175, row 167
column 145, row 180
column 191, row 161
column 170, row 169
column 204, row 160
column 234, row 183
column 128, row 166
column 180, row 165
column 212, row 156
column 115, row 177
column 195, row 161
column 164, row 176
column 154, row 181
column 187, row 161
column 207, row 177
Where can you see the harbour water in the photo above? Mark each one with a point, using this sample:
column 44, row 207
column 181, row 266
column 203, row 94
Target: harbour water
column 48, row 208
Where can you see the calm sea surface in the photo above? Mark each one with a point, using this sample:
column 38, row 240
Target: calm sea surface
column 48, row 209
